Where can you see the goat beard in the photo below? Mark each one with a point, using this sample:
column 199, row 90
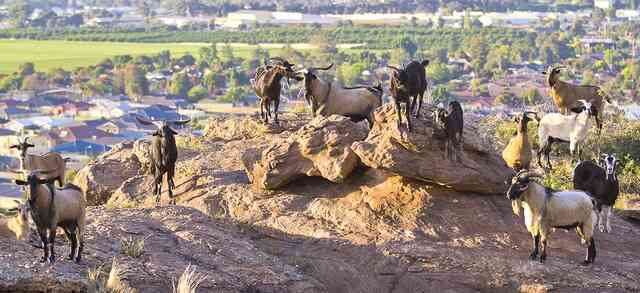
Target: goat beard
column 516, row 205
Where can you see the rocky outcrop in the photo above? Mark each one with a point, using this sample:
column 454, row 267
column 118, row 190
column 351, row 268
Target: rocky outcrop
column 246, row 127
column 631, row 209
column 174, row 238
column 320, row 148
column 420, row 154
column 101, row 177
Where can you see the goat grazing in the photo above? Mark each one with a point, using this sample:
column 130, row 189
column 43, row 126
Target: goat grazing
column 410, row 81
column 267, row 86
column 602, row 184
column 452, row 120
column 49, row 161
column 53, row 207
column 566, row 95
column 325, row 98
column 16, row 226
column 545, row 209
column 164, row 154
column 555, row 127
column 517, row 154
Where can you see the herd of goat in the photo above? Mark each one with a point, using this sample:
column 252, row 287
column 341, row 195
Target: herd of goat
column 596, row 185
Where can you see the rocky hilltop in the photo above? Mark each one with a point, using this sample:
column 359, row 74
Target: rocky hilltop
column 322, row 205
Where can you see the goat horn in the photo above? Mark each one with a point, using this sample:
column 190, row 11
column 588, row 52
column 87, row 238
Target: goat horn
column 17, row 171
column 278, row 59
column 393, row 67
column 320, row 68
column 181, row 122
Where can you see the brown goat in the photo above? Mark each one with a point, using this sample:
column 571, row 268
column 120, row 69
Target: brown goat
column 517, row 153
column 49, row 161
column 267, row 86
column 566, row 95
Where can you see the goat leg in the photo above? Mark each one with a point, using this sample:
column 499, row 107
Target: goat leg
column 52, row 242
column 276, row 104
column 45, row 245
column 543, row 248
column 407, row 113
column 536, row 243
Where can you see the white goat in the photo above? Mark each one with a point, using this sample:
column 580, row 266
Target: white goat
column 326, row 98
column 573, row 129
column 545, row 209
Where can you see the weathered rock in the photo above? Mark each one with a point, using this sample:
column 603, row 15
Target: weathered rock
column 247, row 127
column 320, row 148
column 420, row 154
column 174, row 238
column 131, row 193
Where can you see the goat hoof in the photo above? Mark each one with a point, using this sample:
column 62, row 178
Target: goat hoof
column 586, row 263
column 70, row 257
column 533, row 256
column 43, row 259
column 601, row 229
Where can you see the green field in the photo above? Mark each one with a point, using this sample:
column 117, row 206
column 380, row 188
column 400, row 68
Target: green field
column 68, row 55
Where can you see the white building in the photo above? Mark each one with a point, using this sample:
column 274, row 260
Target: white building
column 603, row 4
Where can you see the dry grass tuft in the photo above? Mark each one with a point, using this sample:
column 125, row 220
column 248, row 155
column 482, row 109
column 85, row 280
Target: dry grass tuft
column 132, row 247
column 189, row 281
column 113, row 284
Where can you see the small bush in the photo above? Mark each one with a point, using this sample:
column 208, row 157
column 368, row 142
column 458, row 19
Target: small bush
column 113, row 284
column 71, row 174
column 189, row 281
column 132, row 247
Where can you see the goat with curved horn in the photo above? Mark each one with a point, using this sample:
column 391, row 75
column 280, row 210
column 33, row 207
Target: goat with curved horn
column 267, row 85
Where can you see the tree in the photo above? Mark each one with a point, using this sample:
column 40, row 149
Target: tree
column 20, row 10
column 532, row 97
column 122, row 59
column 10, row 82
column 323, row 43
column 506, row 98
column 136, row 84
column 499, row 59
column 180, row 85
column 34, row 82
column 211, row 81
column 610, row 57
column 478, row 52
column 163, row 59
column 26, row 69
column 197, row 93
column 227, row 57
column 546, row 55
column 439, row 72
column 351, row 73
column 59, row 77
column 187, row 60
column 407, row 44
column 440, row 94
column 398, row 57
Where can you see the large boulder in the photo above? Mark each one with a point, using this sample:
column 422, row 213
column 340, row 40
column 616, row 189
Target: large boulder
column 102, row 176
column 320, row 148
column 631, row 209
column 420, row 154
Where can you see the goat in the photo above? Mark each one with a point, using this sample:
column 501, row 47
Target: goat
column 53, row 207
column 517, row 153
column 602, row 184
column 267, row 86
column 325, row 98
column 164, row 154
column 565, row 95
column 410, row 81
column 545, row 209
column 49, row 161
column 452, row 120
column 16, row 226
column 555, row 127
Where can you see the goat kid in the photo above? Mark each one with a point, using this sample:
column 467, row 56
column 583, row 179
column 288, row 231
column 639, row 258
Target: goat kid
column 452, row 120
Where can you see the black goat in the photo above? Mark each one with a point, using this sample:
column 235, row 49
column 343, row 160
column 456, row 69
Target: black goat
column 601, row 182
column 410, row 81
column 267, row 86
column 164, row 154
column 452, row 120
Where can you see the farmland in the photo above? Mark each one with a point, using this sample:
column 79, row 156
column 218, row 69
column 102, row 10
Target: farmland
column 71, row 54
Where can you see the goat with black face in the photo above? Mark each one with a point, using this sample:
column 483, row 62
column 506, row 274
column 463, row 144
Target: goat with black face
column 164, row 154
column 602, row 184
column 545, row 209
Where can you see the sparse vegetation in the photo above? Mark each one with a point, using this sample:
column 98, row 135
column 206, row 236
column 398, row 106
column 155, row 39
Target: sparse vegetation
column 189, row 281
column 114, row 282
column 132, row 247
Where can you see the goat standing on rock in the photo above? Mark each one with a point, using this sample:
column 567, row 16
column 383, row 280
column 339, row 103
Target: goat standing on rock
column 164, row 154
column 268, row 87
column 545, row 209
column 326, row 99
column 602, row 184
column 410, row 81
column 452, row 120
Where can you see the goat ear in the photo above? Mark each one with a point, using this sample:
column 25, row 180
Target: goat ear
column 173, row 131
column 20, row 182
column 13, row 146
column 30, row 145
column 577, row 109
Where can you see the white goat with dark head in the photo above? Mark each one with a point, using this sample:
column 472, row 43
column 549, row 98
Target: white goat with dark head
column 545, row 209
column 572, row 129
column 164, row 154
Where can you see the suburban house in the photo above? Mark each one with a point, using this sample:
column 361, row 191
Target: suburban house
column 16, row 113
